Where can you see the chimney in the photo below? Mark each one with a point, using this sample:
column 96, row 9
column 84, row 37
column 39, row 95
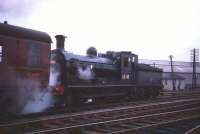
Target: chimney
column 60, row 41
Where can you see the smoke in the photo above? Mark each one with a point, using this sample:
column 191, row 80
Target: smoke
column 54, row 74
column 35, row 98
column 85, row 74
column 28, row 95
column 31, row 95
column 40, row 100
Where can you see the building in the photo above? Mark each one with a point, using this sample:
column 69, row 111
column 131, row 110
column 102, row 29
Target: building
column 182, row 73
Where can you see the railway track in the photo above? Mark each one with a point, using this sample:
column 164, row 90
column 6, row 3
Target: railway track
column 127, row 119
column 194, row 130
column 139, row 124
column 167, row 95
column 179, row 127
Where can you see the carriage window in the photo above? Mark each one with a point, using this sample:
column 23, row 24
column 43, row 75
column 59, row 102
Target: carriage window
column 1, row 53
column 34, row 55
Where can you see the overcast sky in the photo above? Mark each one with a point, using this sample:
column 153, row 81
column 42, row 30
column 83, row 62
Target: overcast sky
column 153, row 29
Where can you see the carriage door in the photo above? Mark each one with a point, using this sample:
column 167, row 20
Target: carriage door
column 128, row 66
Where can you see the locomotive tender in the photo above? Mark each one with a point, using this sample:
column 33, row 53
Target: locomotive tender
column 26, row 62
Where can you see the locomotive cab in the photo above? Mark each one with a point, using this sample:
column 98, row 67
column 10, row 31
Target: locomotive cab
column 128, row 66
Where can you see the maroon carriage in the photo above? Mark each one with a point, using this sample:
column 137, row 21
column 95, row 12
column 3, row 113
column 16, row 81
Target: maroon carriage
column 24, row 65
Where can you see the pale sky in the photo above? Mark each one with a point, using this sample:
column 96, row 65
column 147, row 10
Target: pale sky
column 153, row 29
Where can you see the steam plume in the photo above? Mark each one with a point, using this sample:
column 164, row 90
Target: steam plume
column 43, row 99
column 85, row 74
column 35, row 98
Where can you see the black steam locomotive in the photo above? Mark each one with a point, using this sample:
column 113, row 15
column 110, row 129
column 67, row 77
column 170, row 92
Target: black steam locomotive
column 93, row 78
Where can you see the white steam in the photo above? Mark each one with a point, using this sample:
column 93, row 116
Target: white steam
column 54, row 74
column 38, row 103
column 41, row 99
column 35, row 98
column 85, row 74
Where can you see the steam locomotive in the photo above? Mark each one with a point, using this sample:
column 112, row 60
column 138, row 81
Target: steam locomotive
column 97, row 77
column 26, row 62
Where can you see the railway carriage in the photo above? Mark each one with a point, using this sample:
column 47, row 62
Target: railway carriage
column 24, row 64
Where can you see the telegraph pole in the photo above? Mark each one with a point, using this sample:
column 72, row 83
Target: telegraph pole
column 172, row 72
column 154, row 64
column 195, row 58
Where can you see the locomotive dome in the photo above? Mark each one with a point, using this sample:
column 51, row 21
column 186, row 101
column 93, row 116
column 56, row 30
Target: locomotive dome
column 91, row 51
